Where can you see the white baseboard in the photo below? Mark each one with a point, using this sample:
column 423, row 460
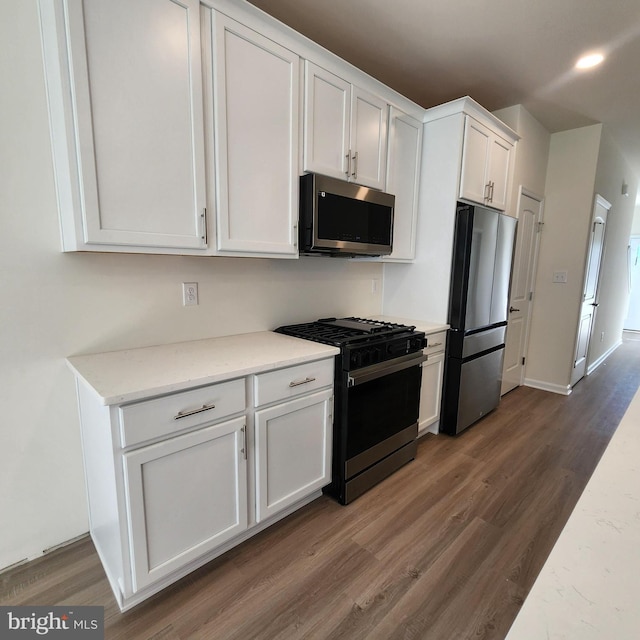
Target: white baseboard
column 594, row 365
column 548, row 386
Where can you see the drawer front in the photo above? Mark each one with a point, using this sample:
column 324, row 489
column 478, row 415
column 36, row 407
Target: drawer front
column 292, row 381
column 163, row 416
column 436, row 342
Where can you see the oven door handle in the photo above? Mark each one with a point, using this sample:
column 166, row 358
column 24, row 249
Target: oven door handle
column 366, row 374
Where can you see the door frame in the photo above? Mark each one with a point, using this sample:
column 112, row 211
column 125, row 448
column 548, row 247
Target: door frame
column 576, row 375
column 531, row 277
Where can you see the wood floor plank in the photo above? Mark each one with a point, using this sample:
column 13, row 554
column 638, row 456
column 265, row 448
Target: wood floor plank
column 445, row 549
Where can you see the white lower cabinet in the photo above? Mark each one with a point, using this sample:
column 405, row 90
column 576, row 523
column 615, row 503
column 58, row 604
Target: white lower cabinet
column 186, row 496
column 431, row 388
column 293, row 451
column 175, row 480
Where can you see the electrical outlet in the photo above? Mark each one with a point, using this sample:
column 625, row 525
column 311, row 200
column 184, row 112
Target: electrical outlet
column 602, row 336
column 560, row 276
column 189, row 293
column 374, row 286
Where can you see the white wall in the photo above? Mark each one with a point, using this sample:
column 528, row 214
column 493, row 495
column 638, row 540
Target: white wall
column 635, row 226
column 570, row 181
column 55, row 305
column 532, row 153
column 582, row 162
column 613, row 288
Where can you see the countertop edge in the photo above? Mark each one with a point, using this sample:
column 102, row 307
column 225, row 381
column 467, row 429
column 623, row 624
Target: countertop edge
column 100, row 372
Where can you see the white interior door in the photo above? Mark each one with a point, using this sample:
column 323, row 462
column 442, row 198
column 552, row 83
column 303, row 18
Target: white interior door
column 590, row 293
column 632, row 321
column 520, row 301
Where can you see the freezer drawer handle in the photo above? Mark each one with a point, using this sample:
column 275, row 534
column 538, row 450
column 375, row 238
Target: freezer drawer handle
column 186, row 414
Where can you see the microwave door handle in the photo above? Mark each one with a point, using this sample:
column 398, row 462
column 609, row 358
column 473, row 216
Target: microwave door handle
column 366, row 374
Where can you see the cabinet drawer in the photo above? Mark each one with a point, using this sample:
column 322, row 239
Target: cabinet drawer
column 292, row 381
column 162, row 416
column 436, row 342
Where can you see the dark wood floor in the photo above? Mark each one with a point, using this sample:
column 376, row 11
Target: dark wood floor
column 445, row 549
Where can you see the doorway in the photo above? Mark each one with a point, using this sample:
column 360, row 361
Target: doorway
column 632, row 321
column 590, row 291
column 521, row 295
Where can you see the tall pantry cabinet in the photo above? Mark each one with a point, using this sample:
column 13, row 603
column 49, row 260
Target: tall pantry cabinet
column 457, row 164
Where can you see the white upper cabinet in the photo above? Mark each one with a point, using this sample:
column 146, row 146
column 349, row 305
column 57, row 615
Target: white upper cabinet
column 345, row 129
column 125, row 105
column 253, row 120
column 403, row 175
column 327, row 113
column 369, row 116
column 486, row 163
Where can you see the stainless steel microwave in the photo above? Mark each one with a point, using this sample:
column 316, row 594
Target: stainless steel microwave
column 342, row 218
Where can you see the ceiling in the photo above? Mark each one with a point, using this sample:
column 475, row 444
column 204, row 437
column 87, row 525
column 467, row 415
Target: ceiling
column 499, row 52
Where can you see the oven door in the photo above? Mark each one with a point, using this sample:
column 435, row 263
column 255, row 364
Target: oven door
column 381, row 410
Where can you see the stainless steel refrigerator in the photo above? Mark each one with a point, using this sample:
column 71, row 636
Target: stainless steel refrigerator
column 479, row 297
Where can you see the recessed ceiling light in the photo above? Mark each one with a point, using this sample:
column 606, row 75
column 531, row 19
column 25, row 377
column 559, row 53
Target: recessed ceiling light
column 589, row 61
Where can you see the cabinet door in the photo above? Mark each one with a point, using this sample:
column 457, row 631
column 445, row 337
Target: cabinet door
column 125, row 102
column 403, row 173
column 499, row 167
column 475, row 159
column 186, row 496
column 430, row 391
column 256, row 104
column 293, row 451
column 368, row 139
column 327, row 104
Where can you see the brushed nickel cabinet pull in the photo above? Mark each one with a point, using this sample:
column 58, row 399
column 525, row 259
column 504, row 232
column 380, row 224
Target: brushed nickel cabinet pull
column 355, row 165
column 244, row 441
column 348, row 158
column 299, row 382
column 203, row 222
column 186, row 414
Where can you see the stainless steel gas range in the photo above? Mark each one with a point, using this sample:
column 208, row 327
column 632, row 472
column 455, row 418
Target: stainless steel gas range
column 377, row 393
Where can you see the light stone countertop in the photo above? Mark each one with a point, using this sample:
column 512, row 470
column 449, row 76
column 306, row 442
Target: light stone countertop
column 133, row 374
column 589, row 587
